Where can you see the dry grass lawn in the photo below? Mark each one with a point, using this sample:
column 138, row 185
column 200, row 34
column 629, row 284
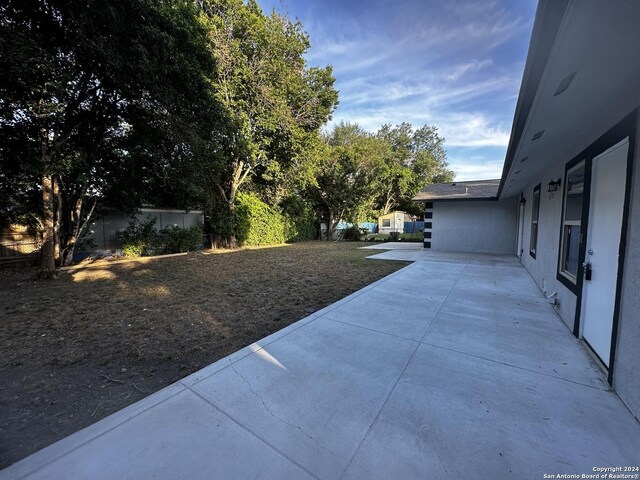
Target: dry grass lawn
column 79, row 348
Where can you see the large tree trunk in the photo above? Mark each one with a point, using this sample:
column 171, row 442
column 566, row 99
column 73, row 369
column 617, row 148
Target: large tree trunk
column 331, row 226
column 240, row 172
column 223, row 233
column 47, row 253
column 230, row 240
column 57, row 220
column 47, row 267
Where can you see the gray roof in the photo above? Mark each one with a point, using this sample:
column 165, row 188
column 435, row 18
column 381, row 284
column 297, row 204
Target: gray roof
column 471, row 190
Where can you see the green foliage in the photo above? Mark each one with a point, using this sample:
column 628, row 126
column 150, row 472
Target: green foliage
column 220, row 222
column 140, row 238
column 300, row 224
column 345, row 180
column 299, row 229
column 260, row 224
column 257, row 223
column 188, row 104
column 275, row 102
column 359, row 175
column 394, row 236
column 177, row 239
column 412, row 158
column 106, row 99
column 133, row 250
column 401, row 237
column 353, row 233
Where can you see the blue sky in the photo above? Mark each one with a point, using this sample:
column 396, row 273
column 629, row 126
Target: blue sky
column 453, row 64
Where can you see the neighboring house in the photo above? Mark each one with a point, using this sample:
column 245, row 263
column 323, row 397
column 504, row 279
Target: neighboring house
column 393, row 222
column 104, row 231
column 571, row 180
column 467, row 217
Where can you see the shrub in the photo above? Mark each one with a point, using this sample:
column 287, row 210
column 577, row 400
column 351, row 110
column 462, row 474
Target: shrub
column 177, row 239
column 140, row 237
column 133, row 250
column 394, row 236
column 299, row 229
column 299, row 222
column 353, row 233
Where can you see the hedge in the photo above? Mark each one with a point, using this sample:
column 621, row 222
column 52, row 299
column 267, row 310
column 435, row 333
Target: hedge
column 260, row 224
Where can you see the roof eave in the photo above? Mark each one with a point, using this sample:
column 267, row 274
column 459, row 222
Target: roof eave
column 549, row 15
column 466, row 199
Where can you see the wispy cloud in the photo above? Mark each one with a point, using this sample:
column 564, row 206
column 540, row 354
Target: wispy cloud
column 474, row 130
column 458, row 71
column 453, row 64
column 478, row 169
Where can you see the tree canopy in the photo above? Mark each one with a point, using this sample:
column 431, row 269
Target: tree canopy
column 183, row 103
column 277, row 104
column 412, row 159
column 361, row 175
column 97, row 98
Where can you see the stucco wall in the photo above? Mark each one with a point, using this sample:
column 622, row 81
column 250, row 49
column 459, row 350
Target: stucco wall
column 485, row 227
column 543, row 268
column 626, row 379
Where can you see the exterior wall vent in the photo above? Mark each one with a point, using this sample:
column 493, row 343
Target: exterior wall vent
column 564, row 84
column 538, row 135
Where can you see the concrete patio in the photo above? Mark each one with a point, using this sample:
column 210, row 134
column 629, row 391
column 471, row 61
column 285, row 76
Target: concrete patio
column 453, row 367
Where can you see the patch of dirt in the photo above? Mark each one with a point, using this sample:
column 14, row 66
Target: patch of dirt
column 79, row 348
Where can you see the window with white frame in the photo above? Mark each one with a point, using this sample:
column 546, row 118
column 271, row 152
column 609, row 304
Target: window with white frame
column 386, row 222
column 571, row 222
column 535, row 214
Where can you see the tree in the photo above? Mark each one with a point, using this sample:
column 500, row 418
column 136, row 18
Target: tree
column 429, row 164
column 395, row 176
column 345, row 176
column 81, row 77
column 411, row 160
column 276, row 103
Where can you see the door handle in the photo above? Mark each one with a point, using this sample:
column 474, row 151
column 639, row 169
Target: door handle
column 588, row 270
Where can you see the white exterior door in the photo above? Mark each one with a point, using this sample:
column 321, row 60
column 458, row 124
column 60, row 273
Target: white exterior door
column 606, row 205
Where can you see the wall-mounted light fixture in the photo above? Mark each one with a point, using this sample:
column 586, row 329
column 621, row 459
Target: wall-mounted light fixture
column 554, row 185
column 523, row 201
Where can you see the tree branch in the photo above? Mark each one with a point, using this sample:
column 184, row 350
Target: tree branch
column 87, row 218
column 222, row 192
